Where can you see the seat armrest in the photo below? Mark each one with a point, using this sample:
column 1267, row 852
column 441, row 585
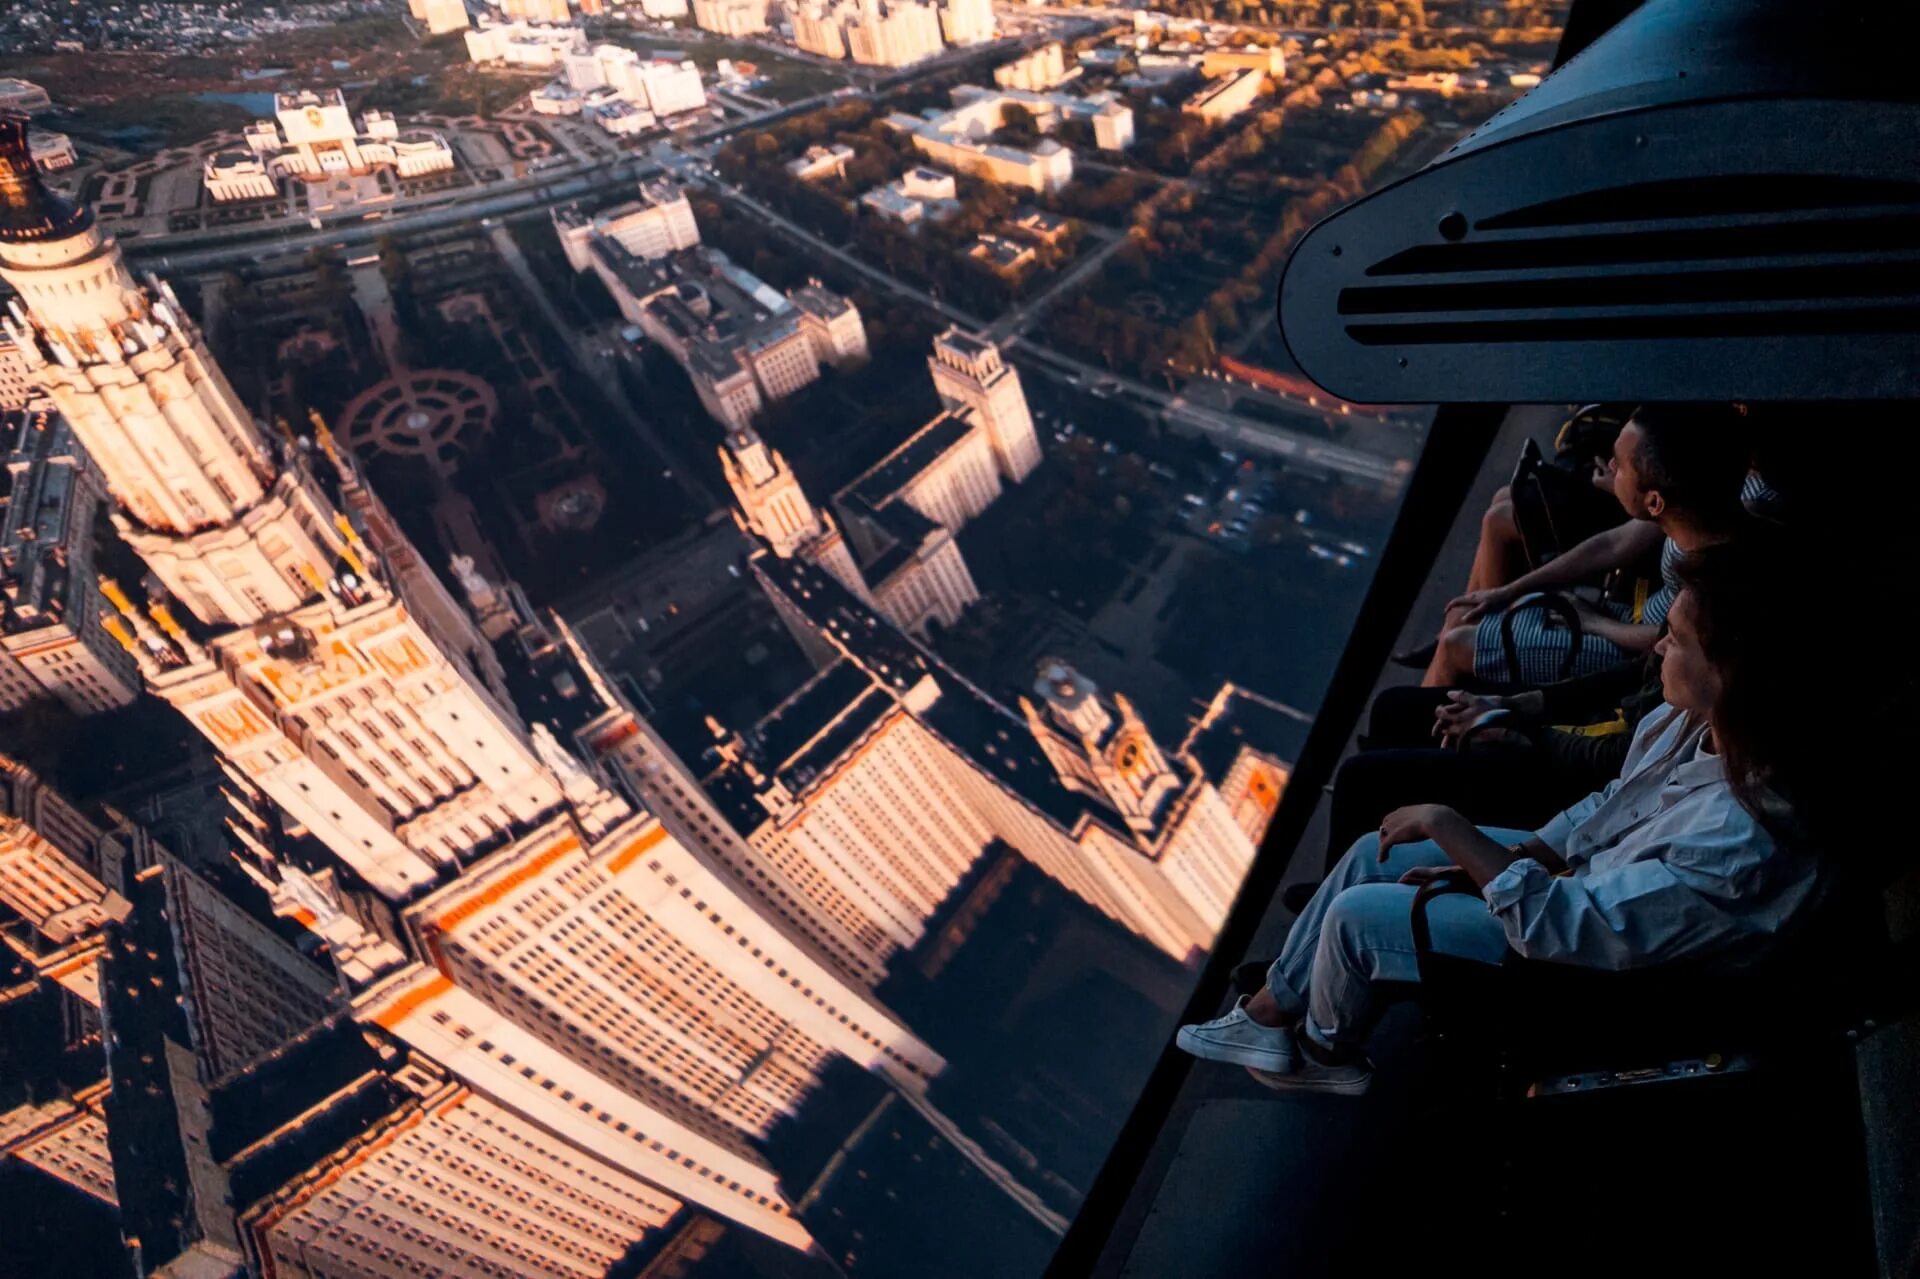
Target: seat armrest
column 1438, row 886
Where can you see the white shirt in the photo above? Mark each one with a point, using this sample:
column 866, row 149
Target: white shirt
column 1663, row 864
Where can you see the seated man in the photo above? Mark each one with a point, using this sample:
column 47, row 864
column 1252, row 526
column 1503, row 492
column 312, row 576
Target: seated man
column 1677, row 472
column 1575, row 501
column 1693, row 851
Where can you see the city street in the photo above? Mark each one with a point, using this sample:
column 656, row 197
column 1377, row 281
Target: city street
column 1228, row 431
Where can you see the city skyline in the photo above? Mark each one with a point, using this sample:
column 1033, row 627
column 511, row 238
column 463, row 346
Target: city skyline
column 632, row 651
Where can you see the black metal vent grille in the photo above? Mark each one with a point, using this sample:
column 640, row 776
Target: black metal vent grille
column 1760, row 250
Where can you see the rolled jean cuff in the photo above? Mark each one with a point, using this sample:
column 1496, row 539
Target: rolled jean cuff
column 1291, row 1001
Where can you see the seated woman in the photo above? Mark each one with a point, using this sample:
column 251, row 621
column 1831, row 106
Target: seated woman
column 1678, row 472
column 1692, row 853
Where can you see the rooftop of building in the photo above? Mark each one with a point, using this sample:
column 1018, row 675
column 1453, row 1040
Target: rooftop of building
column 286, row 1112
column 996, row 739
column 733, row 793
column 789, row 728
column 546, row 682
column 969, row 346
column 300, row 99
column 851, row 726
column 820, row 302
column 885, row 479
column 890, row 200
column 1238, row 719
column 717, row 360
column 659, row 191
column 896, row 530
column 1039, row 220
column 770, row 333
column 1221, row 85
column 999, row 252
column 39, row 488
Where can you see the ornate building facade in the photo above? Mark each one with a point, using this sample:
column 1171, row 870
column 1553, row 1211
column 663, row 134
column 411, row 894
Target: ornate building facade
column 311, row 137
column 482, row 895
column 891, row 540
column 875, row 787
column 508, row 996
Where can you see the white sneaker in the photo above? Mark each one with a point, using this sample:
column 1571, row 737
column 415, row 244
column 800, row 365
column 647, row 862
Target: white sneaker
column 1241, row 1041
column 1349, row 1079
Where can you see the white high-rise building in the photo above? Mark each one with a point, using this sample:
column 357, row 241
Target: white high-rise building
column 644, row 1011
column 661, row 88
column 878, row 785
column 955, row 139
column 1034, row 72
column 587, row 68
column 417, row 1173
column 443, row 16
column 549, row 11
column 740, row 340
column 653, row 226
column 519, row 44
column 969, row 374
column 360, row 712
column 670, row 88
column 820, row 28
column 967, row 21
column 730, row 17
column 16, row 381
column 892, row 544
column 896, row 36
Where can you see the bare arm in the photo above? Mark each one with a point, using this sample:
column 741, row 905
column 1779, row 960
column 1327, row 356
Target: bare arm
column 1618, row 547
column 1634, row 637
column 1615, row 548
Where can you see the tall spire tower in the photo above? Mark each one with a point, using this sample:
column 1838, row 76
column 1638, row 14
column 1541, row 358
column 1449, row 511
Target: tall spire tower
column 769, row 494
column 971, row 377
column 774, row 508
column 642, row 1012
column 345, row 686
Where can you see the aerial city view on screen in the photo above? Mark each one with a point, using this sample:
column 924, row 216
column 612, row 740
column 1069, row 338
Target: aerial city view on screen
column 652, row 638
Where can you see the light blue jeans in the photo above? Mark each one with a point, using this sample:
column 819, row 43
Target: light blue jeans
column 1358, row 930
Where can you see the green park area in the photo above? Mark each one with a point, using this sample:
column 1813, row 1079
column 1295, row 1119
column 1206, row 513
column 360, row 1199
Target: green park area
column 933, row 253
column 1203, row 254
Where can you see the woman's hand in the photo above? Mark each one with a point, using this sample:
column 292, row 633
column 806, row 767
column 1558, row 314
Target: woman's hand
column 1412, row 824
column 1475, row 605
column 1419, row 875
